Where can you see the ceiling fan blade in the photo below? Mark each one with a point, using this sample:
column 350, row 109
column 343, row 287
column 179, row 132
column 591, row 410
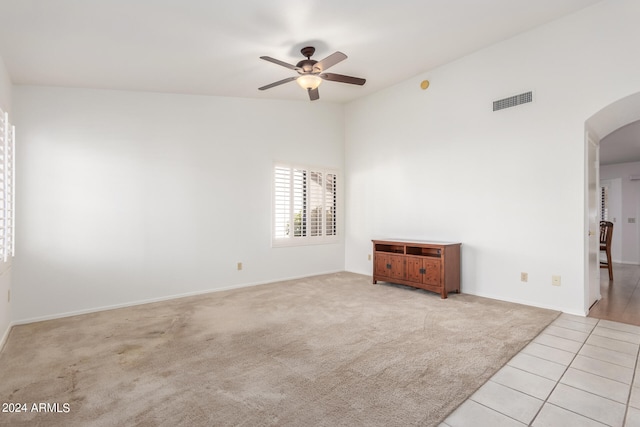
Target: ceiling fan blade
column 314, row 94
column 278, row 83
column 343, row 79
column 329, row 61
column 282, row 63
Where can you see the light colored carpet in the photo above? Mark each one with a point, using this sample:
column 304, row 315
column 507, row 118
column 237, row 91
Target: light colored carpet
column 330, row 350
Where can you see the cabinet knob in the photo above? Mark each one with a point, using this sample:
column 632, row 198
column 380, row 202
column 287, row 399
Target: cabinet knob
column 389, row 266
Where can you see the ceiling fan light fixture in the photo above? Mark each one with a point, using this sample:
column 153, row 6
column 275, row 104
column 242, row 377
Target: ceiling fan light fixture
column 311, row 72
column 309, row 81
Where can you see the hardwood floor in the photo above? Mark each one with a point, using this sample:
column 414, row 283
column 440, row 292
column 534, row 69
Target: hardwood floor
column 620, row 298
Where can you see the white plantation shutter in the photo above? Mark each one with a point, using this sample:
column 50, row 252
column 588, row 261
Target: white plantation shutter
column 604, row 203
column 7, row 186
column 282, row 202
column 316, row 200
column 305, row 206
column 299, row 213
column 330, row 204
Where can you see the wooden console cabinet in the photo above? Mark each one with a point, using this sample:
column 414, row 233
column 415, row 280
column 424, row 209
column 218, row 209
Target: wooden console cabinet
column 434, row 266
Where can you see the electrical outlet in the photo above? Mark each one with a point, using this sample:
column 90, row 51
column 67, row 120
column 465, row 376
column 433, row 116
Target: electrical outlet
column 239, row 266
column 524, row 277
column 369, row 257
column 555, row 280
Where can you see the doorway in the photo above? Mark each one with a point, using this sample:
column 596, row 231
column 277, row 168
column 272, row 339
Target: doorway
column 601, row 124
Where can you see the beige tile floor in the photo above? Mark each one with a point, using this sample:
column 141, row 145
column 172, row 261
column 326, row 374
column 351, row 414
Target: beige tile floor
column 580, row 371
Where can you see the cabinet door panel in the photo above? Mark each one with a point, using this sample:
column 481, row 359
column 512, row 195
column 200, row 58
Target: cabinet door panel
column 389, row 265
column 414, row 269
column 432, row 273
column 397, row 266
column 380, row 268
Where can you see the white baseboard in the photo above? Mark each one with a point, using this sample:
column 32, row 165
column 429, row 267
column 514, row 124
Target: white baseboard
column 529, row 303
column 626, row 262
column 5, row 336
column 159, row 299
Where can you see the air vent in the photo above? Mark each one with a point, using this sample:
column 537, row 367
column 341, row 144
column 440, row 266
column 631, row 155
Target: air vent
column 512, row 101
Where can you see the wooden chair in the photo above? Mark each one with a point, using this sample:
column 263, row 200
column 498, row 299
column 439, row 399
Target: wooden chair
column 606, row 232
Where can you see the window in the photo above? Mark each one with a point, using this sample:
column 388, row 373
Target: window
column 7, row 185
column 305, row 206
column 604, row 203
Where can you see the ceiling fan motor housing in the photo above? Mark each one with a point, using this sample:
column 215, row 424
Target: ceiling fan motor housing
column 306, row 66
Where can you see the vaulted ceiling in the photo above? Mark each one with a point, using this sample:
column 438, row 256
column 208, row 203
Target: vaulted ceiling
column 212, row 47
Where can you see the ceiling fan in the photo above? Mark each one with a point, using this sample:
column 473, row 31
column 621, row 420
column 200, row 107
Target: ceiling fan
column 312, row 72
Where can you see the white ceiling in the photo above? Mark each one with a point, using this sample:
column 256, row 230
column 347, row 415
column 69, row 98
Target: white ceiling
column 212, row 47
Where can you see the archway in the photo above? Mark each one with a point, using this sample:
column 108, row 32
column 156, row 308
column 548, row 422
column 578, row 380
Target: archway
column 598, row 126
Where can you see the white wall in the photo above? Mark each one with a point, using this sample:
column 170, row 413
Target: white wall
column 123, row 197
column 630, row 209
column 439, row 164
column 5, row 87
column 5, row 268
column 129, row 197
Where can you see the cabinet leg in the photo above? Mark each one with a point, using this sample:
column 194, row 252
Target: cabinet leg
column 375, row 281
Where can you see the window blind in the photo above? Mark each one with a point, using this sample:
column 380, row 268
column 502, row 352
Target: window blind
column 604, row 203
column 305, row 205
column 7, row 187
